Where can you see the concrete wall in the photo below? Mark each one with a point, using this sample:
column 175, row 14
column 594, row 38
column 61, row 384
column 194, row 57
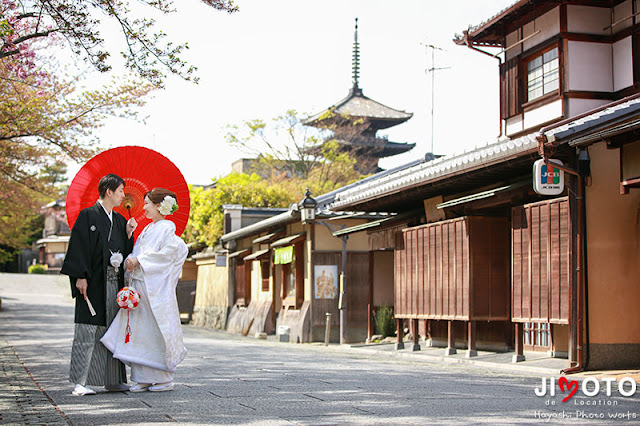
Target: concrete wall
column 613, row 248
column 212, row 296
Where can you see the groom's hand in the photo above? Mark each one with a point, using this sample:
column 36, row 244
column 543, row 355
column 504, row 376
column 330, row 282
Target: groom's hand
column 131, row 226
column 81, row 285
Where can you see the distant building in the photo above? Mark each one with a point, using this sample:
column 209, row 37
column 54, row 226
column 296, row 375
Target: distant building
column 52, row 247
column 355, row 121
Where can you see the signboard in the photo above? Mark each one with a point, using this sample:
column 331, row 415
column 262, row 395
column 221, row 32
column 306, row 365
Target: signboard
column 326, row 281
column 548, row 180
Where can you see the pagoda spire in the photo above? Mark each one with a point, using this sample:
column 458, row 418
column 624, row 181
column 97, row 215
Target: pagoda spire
column 356, row 63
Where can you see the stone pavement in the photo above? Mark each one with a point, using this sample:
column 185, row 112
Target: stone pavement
column 22, row 400
column 233, row 379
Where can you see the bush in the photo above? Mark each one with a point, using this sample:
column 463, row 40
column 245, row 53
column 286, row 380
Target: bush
column 384, row 321
column 37, row 269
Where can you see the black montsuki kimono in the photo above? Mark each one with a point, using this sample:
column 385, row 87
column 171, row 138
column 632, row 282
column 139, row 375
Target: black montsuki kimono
column 88, row 256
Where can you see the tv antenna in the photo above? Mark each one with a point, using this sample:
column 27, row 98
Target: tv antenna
column 433, row 70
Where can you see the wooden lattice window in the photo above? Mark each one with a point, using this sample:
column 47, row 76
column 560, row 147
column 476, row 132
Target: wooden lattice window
column 537, row 336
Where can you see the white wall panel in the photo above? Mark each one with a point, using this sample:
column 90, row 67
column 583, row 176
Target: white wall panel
column 578, row 106
column 512, row 38
column 514, row 125
column 588, row 20
column 622, row 64
column 548, row 25
column 589, row 67
column 622, row 11
column 543, row 114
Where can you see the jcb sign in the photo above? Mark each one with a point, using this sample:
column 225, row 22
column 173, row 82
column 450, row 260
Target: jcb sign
column 548, row 180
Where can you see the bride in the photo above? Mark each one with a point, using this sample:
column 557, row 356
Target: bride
column 155, row 346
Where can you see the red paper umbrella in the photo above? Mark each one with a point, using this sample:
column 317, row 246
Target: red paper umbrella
column 142, row 170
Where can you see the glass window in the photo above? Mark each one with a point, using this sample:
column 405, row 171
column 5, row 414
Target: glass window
column 543, row 75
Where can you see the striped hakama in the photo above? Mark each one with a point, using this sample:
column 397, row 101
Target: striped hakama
column 91, row 363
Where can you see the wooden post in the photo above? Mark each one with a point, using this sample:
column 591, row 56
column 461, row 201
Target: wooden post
column 471, row 338
column 519, row 356
column 451, row 344
column 416, row 335
column 428, row 338
column 370, row 303
column 400, row 334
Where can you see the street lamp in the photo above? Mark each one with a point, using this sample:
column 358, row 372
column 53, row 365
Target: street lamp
column 308, row 207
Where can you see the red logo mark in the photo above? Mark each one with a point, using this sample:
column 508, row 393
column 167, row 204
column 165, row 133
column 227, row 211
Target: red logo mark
column 571, row 386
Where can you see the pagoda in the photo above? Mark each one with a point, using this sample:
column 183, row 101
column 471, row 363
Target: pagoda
column 356, row 119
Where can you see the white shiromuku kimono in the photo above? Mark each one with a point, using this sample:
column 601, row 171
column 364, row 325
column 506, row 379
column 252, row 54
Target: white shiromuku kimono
column 155, row 347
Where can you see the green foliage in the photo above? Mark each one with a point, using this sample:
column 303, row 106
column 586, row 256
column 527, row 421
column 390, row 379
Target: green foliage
column 206, row 218
column 287, row 150
column 37, row 269
column 46, row 120
column 384, row 321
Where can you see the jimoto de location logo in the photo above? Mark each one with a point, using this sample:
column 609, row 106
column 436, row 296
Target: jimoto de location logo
column 575, row 398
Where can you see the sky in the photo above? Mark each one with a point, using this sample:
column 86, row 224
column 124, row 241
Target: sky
column 277, row 55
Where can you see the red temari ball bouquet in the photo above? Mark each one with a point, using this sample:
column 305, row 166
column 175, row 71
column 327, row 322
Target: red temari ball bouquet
column 128, row 298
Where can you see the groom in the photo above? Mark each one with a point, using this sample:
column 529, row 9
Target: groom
column 97, row 235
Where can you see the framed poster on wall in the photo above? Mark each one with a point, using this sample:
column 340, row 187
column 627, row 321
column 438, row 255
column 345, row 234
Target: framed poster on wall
column 326, row 281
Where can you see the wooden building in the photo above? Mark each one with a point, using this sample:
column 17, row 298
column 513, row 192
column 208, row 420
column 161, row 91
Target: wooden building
column 286, row 275
column 569, row 73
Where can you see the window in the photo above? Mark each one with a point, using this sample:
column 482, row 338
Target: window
column 543, row 74
column 537, row 336
column 264, row 269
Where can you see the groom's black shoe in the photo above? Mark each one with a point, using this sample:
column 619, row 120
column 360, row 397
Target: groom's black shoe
column 117, row 388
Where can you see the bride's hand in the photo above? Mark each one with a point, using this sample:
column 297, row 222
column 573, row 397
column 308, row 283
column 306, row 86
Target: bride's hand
column 132, row 262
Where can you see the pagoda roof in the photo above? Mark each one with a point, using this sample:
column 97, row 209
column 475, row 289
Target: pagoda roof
column 358, row 106
column 377, row 148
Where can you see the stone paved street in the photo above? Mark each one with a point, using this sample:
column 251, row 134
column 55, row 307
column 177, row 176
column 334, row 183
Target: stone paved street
column 230, row 379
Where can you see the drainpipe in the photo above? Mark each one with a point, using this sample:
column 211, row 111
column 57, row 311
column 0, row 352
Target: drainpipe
column 580, row 276
column 472, row 47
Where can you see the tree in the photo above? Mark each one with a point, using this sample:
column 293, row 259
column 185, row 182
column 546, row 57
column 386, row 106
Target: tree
column 206, row 218
column 44, row 121
column 288, row 151
column 147, row 52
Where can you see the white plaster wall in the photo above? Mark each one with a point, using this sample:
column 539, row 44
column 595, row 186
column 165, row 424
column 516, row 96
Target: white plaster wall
column 621, row 11
column 548, row 25
column 588, row 20
column 622, row 64
column 578, row 106
column 514, row 125
column 511, row 39
column 543, row 114
column 589, row 67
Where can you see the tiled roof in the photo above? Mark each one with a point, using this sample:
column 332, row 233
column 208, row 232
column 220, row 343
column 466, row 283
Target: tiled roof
column 599, row 117
column 484, row 28
column 358, row 105
column 426, row 172
column 444, row 167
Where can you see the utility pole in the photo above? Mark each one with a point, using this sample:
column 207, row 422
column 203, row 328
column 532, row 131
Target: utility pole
column 433, row 70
